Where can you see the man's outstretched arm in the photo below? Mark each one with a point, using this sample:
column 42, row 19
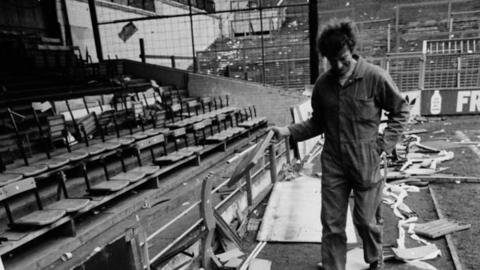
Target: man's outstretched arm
column 311, row 127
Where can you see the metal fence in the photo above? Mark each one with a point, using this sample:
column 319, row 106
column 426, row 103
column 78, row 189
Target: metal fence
column 418, row 71
column 263, row 41
column 268, row 41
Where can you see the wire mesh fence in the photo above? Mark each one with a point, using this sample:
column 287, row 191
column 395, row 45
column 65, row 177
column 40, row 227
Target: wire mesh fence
column 268, row 45
column 268, row 41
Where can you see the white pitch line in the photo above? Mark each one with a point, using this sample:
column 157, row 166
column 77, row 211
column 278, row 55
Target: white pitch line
column 464, row 138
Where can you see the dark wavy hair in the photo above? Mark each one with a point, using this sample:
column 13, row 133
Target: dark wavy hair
column 335, row 35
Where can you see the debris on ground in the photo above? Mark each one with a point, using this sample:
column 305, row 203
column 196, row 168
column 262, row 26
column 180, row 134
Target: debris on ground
column 414, row 165
column 440, row 227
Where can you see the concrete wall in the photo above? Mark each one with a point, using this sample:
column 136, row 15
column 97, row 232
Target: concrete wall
column 162, row 75
column 162, row 37
column 272, row 102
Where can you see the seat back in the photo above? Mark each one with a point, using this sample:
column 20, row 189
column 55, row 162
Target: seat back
column 106, row 120
column 57, row 130
column 198, row 127
column 179, row 133
column 206, row 102
column 18, row 187
column 150, row 142
column 88, row 126
column 192, row 105
column 159, row 118
column 175, row 109
column 56, row 127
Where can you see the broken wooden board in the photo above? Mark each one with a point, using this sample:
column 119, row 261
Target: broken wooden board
column 250, row 159
column 439, row 227
column 293, row 213
column 260, row 264
column 225, row 230
column 424, row 171
column 253, row 224
column 233, row 263
column 227, row 256
column 442, row 144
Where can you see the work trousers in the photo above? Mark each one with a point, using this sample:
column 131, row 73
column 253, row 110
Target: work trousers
column 336, row 189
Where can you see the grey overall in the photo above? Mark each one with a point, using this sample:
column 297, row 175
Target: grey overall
column 349, row 116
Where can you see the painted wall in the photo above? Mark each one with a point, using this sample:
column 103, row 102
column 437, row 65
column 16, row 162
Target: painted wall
column 450, row 102
column 162, row 37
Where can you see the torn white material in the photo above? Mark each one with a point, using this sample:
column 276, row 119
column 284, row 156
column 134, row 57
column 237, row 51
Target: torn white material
column 395, row 194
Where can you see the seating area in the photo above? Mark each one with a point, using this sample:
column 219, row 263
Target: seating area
column 115, row 134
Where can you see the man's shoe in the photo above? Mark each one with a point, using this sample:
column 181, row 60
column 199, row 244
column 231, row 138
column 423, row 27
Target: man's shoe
column 378, row 265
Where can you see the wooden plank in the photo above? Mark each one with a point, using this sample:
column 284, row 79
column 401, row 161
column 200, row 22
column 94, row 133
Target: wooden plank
column 230, row 254
column 260, row 264
column 17, row 188
column 206, row 211
column 249, row 160
column 283, row 222
column 226, row 231
column 56, row 120
column 440, row 227
column 450, row 229
column 448, row 237
column 150, row 141
column 179, row 132
column 6, row 179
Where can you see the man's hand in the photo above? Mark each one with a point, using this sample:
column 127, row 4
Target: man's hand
column 280, row 132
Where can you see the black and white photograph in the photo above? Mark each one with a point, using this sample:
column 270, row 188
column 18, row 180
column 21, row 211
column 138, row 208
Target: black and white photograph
column 240, row 134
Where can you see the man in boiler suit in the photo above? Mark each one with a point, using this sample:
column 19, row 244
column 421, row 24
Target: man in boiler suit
column 347, row 102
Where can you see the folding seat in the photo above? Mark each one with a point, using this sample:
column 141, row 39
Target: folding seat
column 192, row 108
column 67, row 203
column 252, row 120
column 140, row 172
column 159, row 121
column 106, row 121
column 7, row 178
column 88, row 127
column 57, row 132
column 220, row 119
column 27, row 169
column 179, row 153
column 207, row 103
column 40, row 217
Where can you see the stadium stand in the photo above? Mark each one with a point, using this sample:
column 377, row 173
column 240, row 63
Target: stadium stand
column 59, row 127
